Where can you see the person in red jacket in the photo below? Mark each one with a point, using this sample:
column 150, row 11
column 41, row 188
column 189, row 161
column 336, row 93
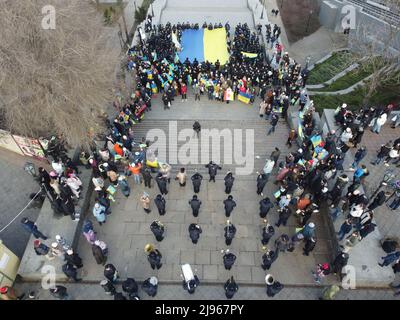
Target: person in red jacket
column 183, row 92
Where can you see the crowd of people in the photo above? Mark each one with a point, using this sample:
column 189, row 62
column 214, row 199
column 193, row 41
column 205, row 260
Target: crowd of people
column 308, row 179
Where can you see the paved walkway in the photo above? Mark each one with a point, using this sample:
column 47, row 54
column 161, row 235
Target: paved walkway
column 17, row 186
column 209, row 292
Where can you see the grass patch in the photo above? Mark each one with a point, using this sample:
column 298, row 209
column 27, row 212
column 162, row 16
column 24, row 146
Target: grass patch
column 326, row 70
column 349, row 79
column 355, row 99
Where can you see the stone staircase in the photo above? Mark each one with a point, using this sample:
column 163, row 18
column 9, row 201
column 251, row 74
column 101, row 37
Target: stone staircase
column 378, row 11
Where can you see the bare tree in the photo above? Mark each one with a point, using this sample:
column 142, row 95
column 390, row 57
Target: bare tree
column 379, row 44
column 54, row 81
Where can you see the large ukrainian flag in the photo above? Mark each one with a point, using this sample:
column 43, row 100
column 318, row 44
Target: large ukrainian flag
column 204, row 44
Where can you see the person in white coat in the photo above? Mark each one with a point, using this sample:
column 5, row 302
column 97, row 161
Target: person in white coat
column 379, row 122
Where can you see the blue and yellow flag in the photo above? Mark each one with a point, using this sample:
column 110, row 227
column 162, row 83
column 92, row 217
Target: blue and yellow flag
column 249, row 54
column 244, row 97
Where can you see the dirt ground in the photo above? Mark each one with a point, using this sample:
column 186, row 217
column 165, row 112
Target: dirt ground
column 296, row 16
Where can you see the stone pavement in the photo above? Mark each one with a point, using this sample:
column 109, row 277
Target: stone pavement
column 127, row 229
column 232, row 11
column 208, row 292
column 17, row 186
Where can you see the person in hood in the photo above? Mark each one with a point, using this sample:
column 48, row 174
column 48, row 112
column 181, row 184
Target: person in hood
column 309, row 246
column 273, row 286
column 158, row 230
column 196, row 180
column 229, row 205
column 108, row 287
column 195, row 205
column 228, row 258
column 99, row 213
column 212, row 170
column 267, row 232
column 111, row 273
column 150, row 286
column 191, row 285
column 147, row 177
column 145, row 200
column 73, row 258
column 231, row 288
column 265, row 206
column 194, row 232
column 160, row 203
column 229, row 178
column 340, row 261
column 71, row 272
column 181, row 177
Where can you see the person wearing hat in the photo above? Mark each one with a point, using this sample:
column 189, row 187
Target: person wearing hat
column 309, row 245
column 158, row 230
column 228, row 258
column 308, row 230
column 108, row 287
column 212, row 170
column 99, row 251
column 229, row 232
column 265, row 206
column 268, row 258
column 70, row 271
column 340, row 261
column 123, row 183
column 73, row 258
column 267, row 232
column 110, row 272
column 229, row 179
column 153, row 256
column 150, row 286
column 229, row 205
column 160, row 203
column 99, row 213
column 194, row 232
column 145, row 200
column 130, row 287
column 273, row 286
column 231, row 288
column 41, row 249
column 162, row 183
column 165, row 170
column 195, row 204
column 59, row 292
column 282, row 243
column 31, row 227
column 196, row 180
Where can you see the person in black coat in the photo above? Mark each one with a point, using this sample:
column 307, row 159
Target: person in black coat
column 162, row 183
column 230, row 231
column 195, row 205
column 150, row 286
column 284, row 215
column 153, row 256
column 191, row 285
column 111, row 273
column 146, row 173
column 229, row 178
column 269, row 258
column 268, row 232
column 119, row 296
column 265, row 206
column 108, row 287
column 70, row 271
column 229, row 259
column 378, row 200
column 60, row 292
column 309, row 246
column 229, row 205
column 196, row 180
column 160, row 203
column 273, row 287
column 158, row 230
column 262, row 180
column 212, row 170
column 73, row 258
column 231, row 288
column 194, row 232
column 131, row 288
column 98, row 254
column 340, row 261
